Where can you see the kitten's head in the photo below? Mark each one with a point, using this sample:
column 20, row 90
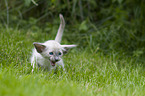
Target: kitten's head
column 52, row 50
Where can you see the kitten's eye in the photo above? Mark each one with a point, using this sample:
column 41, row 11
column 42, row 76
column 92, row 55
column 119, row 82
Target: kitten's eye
column 59, row 53
column 50, row 53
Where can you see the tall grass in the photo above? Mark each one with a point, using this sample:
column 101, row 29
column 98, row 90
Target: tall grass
column 113, row 25
column 109, row 59
column 87, row 73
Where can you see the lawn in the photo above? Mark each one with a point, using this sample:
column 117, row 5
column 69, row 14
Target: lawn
column 87, row 73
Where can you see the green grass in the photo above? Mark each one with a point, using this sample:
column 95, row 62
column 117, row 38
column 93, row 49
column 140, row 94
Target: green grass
column 87, row 73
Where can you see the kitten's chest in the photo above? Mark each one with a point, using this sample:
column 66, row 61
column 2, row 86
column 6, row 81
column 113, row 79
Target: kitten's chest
column 44, row 62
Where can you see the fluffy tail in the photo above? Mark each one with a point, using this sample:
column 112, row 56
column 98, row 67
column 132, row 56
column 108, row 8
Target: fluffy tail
column 61, row 29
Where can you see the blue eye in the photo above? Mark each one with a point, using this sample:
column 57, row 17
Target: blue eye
column 50, row 53
column 59, row 53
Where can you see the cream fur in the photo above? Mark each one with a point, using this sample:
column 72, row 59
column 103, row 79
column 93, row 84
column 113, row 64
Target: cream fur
column 48, row 55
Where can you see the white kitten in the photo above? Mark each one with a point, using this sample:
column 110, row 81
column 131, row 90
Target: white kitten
column 48, row 55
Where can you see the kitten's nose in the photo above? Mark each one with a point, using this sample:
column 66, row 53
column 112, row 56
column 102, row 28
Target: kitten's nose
column 56, row 59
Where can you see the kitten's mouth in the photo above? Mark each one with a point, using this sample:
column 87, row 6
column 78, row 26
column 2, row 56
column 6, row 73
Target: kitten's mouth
column 52, row 63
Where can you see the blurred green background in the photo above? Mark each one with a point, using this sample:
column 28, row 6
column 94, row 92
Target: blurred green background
column 95, row 25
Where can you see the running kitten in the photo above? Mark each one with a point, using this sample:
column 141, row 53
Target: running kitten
column 48, row 55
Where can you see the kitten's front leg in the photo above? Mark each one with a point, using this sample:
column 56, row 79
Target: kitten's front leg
column 33, row 62
column 62, row 65
column 33, row 65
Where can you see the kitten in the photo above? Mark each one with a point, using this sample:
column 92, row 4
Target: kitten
column 48, row 55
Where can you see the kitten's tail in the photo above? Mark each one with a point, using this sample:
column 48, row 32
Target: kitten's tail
column 61, row 29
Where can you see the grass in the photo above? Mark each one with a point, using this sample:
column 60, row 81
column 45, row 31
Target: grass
column 87, row 73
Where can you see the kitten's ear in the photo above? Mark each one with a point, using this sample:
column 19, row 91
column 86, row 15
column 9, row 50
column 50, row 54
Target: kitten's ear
column 39, row 47
column 67, row 47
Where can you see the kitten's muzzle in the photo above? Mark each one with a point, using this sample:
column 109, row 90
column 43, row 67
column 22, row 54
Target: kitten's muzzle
column 54, row 61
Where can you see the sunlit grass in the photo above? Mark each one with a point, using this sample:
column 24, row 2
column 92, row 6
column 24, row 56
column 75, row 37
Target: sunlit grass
column 87, row 73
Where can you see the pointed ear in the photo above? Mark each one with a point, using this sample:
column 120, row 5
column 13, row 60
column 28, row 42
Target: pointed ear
column 39, row 47
column 67, row 47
